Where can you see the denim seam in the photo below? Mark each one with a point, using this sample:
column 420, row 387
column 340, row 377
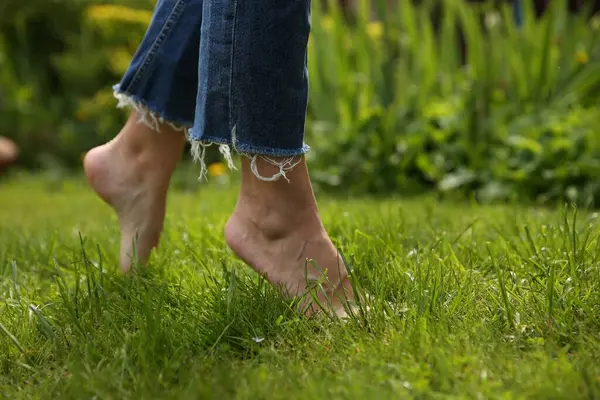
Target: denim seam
column 232, row 126
column 199, row 146
column 164, row 32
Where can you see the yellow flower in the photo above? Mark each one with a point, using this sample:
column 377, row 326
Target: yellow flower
column 582, row 57
column 375, row 30
column 327, row 23
column 119, row 60
column 216, row 169
column 109, row 12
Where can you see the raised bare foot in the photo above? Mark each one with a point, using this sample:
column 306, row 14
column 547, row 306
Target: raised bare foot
column 276, row 230
column 131, row 173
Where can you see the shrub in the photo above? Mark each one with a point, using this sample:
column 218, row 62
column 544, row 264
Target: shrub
column 394, row 109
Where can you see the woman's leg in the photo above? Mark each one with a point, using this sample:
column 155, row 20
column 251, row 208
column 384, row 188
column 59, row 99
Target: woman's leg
column 252, row 97
column 276, row 229
column 132, row 172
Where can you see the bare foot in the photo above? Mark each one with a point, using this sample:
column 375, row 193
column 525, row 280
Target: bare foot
column 132, row 173
column 291, row 261
column 276, row 230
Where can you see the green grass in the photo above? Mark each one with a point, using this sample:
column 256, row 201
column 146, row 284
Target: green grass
column 468, row 302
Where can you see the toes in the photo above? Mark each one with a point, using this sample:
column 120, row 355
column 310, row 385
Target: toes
column 137, row 247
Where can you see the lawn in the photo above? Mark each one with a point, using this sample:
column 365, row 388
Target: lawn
column 467, row 301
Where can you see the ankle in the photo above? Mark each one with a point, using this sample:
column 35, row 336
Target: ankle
column 285, row 201
column 149, row 154
column 280, row 221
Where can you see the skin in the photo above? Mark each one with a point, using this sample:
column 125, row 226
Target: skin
column 275, row 227
column 8, row 153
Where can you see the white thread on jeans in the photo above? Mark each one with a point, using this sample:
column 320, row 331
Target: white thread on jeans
column 285, row 166
column 198, row 154
column 198, row 151
column 224, row 149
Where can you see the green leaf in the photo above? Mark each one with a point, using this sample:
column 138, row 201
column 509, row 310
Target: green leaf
column 523, row 143
column 457, row 179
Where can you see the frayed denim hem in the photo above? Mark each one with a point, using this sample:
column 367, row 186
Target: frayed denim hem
column 291, row 157
column 153, row 119
column 148, row 115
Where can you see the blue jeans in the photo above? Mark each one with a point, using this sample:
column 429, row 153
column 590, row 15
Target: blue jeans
column 228, row 72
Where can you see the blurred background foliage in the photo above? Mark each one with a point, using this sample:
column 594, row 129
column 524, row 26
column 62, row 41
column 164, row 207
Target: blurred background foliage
column 448, row 95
